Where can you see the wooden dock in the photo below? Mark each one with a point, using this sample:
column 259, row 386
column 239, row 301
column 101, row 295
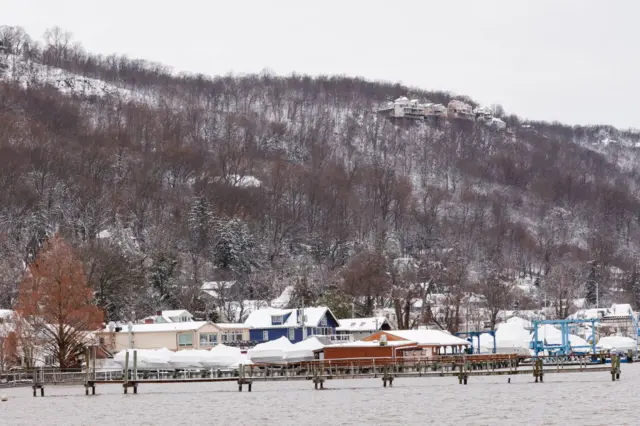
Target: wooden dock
column 318, row 372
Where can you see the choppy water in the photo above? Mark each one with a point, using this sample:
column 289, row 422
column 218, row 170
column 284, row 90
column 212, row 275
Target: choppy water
column 564, row 399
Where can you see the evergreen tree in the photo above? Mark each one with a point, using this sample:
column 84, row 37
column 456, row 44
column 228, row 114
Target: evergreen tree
column 634, row 285
column 163, row 274
column 200, row 222
column 234, row 247
column 592, row 285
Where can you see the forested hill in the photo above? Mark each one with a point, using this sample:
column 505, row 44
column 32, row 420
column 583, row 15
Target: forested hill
column 163, row 181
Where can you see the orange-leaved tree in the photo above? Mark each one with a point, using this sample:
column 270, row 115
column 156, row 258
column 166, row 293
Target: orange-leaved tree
column 57, row 303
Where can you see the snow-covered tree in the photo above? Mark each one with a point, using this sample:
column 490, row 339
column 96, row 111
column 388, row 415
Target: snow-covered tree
column 234, row 247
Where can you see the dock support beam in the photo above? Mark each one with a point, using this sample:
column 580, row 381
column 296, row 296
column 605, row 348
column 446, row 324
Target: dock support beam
column 387, row 377
column 36, row 387
column 538, row 373
column 242, row 379
column 615, row 368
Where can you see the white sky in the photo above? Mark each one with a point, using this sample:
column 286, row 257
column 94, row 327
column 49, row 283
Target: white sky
column 576, row 61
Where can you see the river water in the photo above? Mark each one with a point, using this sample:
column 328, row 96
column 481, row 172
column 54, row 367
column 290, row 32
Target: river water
column 563, row 399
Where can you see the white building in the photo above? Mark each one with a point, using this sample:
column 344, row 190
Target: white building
column 460, row 110
column 173, row 316
column 483, row 113
column 404, row 108
column 434, row 110
column 360, row 328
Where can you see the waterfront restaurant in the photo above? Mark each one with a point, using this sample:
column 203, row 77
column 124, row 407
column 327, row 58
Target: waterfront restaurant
column 398, row 343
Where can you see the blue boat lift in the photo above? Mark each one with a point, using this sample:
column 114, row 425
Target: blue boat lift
column 565, row 347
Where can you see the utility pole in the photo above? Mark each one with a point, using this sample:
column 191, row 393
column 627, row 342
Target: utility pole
column 130, row 328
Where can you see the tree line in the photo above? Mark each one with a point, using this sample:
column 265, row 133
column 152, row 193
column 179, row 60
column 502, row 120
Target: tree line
column 277, row 181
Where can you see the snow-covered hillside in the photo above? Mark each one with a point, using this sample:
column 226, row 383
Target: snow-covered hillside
column 32, row 74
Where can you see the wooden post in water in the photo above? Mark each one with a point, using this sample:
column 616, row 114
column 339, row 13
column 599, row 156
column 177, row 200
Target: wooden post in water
column 86, row 372
column 135, row 365
column 125, row 384
column 615, row 368
column 93, row 361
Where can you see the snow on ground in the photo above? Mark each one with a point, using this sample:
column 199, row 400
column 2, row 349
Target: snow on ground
column 284, row 299
column 241, row 181
column 28, row 73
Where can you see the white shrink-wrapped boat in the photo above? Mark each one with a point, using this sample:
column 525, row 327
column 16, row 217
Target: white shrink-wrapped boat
column 303, row 351
column 243, row 360
column 221, row 356
column 188, row 359
column 618, row 343
column 270, row 352
column 146, row 359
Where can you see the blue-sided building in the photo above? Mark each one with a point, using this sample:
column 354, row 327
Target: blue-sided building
column 294, row 324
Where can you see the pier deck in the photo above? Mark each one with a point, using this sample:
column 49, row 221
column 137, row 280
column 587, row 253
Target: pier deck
column 318, row 372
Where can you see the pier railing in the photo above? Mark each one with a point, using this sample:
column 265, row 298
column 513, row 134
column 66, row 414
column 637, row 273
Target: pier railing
column 318, row 371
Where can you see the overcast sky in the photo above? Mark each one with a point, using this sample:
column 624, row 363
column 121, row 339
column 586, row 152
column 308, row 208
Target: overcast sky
column 577, row 61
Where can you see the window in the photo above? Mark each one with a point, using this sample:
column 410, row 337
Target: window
column 185, row 340
column 276, row 320
column 323, row 321
column 208, row 339
column 231, row 336
column 292, row 334
column 49, row 360
column 265, row 335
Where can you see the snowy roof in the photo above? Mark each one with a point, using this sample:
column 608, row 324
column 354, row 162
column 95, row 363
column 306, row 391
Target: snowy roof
column 231, row 325
column 592, row 313
column 366, row 344
column 262, row 317
column 176, row 313
column 212, row 288
column 164, row 327
column 6, row 313
column 483, row 110
column 361, row 324
column 620, row 309
column 428, row 337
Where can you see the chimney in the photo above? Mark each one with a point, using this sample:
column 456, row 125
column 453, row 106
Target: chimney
column 159, row 313
column 148, row 321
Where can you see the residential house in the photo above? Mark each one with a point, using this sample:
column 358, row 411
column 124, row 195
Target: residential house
column 295, row 324
column 460, row 110
column 233, row 334
column 228, row 300
column 174, row 336
column 620, row 320
column 360, row 328
column 403, row 108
